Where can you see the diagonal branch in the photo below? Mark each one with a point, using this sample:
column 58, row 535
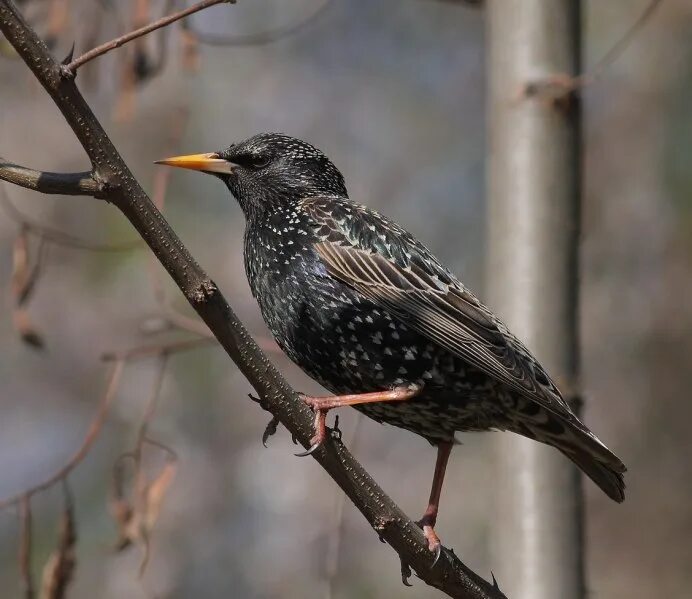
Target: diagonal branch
column 71, row 67
column 74, row 184
column 449, row 574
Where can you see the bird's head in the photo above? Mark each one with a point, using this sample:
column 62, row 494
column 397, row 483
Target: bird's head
column 268, row 169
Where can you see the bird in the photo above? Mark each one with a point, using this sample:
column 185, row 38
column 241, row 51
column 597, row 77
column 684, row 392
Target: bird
column 366, row 310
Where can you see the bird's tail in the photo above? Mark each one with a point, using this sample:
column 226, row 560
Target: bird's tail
column 580, row 445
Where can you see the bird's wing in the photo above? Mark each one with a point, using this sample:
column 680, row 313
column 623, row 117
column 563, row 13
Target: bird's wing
column 390, row 267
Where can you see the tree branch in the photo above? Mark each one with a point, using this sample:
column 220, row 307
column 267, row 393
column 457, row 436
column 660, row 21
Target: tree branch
column 93, row 432
column 71, row 67
column 449, row 574
column 73, row 184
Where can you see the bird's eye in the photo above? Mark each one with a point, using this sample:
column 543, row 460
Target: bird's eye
column 259, row 161
column 252, row 161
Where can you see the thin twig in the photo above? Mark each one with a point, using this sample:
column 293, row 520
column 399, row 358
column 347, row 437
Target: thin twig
column 260, row 38
column 557, row 86
column 619, row 47
column 93, row 432
column 71, row 68
column 150, row 408
column 158, row 349
column 58, row 237
column 25, row 535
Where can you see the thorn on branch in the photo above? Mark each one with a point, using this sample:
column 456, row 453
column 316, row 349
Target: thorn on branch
column 336, row 431
column 70, row 55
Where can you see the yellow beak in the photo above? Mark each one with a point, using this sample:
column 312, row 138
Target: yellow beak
column 208, row 163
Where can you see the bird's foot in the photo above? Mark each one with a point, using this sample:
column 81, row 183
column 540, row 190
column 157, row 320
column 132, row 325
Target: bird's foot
column 434, row 544
column 320, row 424
column 321, row 405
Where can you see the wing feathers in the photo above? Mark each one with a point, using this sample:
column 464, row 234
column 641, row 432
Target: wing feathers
column 442, row 311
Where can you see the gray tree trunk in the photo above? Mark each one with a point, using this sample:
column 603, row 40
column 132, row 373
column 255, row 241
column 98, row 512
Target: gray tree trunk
column 533, row 226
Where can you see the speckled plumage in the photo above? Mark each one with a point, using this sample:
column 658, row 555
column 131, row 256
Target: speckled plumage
column 361, row 305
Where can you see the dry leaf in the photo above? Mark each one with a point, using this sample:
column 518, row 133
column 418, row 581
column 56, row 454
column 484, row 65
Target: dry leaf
column 59, row 569
column 23, row 283
column 135, row 524
column 25, row 328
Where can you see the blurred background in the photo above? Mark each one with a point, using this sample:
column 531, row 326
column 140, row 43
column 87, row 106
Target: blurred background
column 393, row 92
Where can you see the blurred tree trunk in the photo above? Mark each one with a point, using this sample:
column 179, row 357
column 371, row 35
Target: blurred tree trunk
column 533, row 227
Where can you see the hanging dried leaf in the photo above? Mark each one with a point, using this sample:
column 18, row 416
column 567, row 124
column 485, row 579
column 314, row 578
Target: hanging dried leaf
column 25, row 328
column 120, row 507
column 59, row 569
column 154, row 495
column 136, row 518
column 20, row 266
column 156, row 492
column 23, row 283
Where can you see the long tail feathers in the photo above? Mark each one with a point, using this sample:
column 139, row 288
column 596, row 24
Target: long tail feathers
column 580, row 445
column 606, row 476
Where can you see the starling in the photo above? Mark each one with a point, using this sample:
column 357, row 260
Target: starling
column 366, row 310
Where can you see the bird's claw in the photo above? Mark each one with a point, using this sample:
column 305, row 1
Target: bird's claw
column 320, row 427
column 405, row 573
column 434, row 544
column 272, row 425
column 270, row 430
column 438, row 553
column 314, row 446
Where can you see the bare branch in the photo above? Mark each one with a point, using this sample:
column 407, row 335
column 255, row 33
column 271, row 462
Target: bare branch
column 558, row 86
column 58, row 237
column 73, row 184
column 71, row 68
column 448, row 573
column 80, row 454
column 25, row 545
column 260, row 38
column 157, row 349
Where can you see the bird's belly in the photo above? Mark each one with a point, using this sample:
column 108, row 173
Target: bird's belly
column 350, row 345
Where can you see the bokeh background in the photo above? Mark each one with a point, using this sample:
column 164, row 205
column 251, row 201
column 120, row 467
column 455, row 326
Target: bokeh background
column 393, row 92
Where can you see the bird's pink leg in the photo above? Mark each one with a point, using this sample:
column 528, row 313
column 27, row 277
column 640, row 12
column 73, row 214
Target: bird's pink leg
column 321, row 405
column 427, row 522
